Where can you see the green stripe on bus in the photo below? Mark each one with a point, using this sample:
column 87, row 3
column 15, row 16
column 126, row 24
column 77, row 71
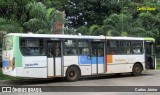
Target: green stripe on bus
column 149, row 39
column 16, row 53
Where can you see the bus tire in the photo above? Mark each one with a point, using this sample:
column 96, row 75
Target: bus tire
column 136, row 70
column 72, row 74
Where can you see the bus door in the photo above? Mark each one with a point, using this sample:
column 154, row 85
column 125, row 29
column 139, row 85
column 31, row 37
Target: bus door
column 97, row 57
column 54, row 58
column 149, row 55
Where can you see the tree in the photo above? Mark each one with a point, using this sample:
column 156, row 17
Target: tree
column 9, row 26
column 32, row 16
column 14, row 10
column 119, row 24
column 37, row 17
column 89, row 12
column 84, row 30
column 148, row 24
column 42, row 20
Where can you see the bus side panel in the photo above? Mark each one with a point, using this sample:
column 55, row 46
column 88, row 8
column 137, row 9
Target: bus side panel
column 35, row 66
column 68, row 61
column 85, row 66
column 123, row 63
column 7, row 56
column 132, row 59
column 35, row 73
column 19, row 71
column 116, row 63
column 116, row 68
column 17, row 53
column 7, row 61
column 84, row 62
column 18, row 57
column 101, row 65
column 85, row 69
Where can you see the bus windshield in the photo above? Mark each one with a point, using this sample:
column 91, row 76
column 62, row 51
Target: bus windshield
column 8, row 43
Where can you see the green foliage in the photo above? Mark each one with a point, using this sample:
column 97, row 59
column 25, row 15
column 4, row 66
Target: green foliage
column 124, row 34
column 93, row 30
column 88, row 17
column 49, row 12
column 91, row 11
column 42, row 19
column 118, row 23
column 36, row 10
column 28, row 16
column 33, row 25
column 126, row 22
column 6, row 77
column 9, row 26
column 83, row 30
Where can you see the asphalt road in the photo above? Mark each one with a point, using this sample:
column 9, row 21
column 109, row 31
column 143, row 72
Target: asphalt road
column 148, row 78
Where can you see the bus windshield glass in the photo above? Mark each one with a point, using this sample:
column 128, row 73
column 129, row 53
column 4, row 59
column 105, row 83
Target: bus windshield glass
column 8, row 43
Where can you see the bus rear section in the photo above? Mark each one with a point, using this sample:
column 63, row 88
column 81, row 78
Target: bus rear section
column 150, row 58
column 8, row 63
column 23, row 57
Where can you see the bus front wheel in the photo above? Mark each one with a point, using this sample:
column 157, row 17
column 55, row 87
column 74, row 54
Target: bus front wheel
column 72, row 74
column 137, row 70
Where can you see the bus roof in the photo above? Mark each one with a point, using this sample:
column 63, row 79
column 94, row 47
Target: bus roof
column 77, row 36
column 149, row 39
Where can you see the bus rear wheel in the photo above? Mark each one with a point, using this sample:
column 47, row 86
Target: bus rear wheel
column 72, row 74
column 137, row 70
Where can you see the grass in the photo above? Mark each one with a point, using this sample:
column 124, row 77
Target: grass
column 6, row 77
column 158, row 64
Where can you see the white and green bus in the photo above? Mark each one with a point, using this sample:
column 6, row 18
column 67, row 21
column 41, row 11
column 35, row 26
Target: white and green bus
column 71, row 56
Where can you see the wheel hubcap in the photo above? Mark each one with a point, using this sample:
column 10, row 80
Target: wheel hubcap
column 137, row 69
column 72, row 74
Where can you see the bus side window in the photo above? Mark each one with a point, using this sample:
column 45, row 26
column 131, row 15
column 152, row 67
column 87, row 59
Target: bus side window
column 83, row 47
column 70, row 51
column 128, row 50
column 32, row 47
column 112, row 47
column 29, row 51
column 136, row 50
column 70, row 47
column 125, row 47
column 137, row 47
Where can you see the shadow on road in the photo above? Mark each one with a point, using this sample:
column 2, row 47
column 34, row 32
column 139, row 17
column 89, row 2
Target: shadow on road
column 110, row 76
column 57, row 80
